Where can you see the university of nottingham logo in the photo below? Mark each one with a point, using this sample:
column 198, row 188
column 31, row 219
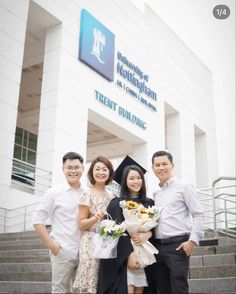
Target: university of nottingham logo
column 97, row 45
column 99, row 41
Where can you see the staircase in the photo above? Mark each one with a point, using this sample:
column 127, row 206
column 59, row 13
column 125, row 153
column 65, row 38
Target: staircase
column 25, row 265
column 213, row 267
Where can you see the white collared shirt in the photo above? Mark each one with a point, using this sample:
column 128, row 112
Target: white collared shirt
column 179, row 202
column 60, row 205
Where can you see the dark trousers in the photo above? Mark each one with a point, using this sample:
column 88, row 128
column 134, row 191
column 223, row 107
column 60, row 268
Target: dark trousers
column 169, row 275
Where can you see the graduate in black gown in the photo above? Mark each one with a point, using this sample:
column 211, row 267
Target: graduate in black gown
column 113, row 272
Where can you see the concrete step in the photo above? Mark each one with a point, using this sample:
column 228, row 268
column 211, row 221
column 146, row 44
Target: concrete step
column 25, row 287
column 25, row 234
column 25, row 267
column 218, row 259
column 21, row 259
column 26, row 276
column 34, row 241
column 212, row 271
column 211, row 234
column 196, row 286
column 210, row 250
column 37, row 244
column 226, row 241
column 17, row 238
column 208, row 234
column 219, row 240
column 22, row 247
column 212, row 285
column 34, row 252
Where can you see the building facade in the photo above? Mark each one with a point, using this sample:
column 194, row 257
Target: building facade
column 99, row 78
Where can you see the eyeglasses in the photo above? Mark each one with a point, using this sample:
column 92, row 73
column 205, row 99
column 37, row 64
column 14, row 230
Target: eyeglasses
column 71, row 168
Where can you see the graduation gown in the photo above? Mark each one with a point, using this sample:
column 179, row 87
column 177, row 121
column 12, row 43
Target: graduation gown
column 112, row 277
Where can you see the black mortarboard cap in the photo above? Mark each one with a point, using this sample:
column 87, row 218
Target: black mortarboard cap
column 126, row 161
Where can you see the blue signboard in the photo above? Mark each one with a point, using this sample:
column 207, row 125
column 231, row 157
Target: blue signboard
column 97, row 45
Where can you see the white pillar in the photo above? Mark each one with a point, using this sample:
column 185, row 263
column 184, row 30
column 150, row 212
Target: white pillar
column 187, row 157
column 201, row 159
column 63, row 116
column 155, row 142
column 12, row 40
column 173, row 140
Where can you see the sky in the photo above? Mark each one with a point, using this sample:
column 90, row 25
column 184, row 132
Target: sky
column 213, row 41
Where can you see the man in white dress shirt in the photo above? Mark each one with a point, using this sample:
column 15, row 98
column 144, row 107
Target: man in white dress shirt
column 176, row 234
column 60, row 205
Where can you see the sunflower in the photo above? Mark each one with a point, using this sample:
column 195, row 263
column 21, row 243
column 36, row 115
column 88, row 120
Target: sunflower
column 131, row 204
column 143, row 210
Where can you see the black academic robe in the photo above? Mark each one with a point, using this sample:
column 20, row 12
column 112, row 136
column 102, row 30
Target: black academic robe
column 112, row 277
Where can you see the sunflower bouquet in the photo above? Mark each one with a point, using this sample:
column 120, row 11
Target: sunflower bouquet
column 141, row 219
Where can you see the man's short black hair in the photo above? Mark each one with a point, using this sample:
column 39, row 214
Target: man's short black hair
column 162, row 153
column 72, row 155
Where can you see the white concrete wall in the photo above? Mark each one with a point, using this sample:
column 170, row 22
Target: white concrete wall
column 201, row 158
column 13, row 18
column 175, row 73
column 63, row 116
column 185, row 84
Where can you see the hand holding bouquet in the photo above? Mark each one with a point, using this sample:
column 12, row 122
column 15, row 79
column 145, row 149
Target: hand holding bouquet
column 141, row 219
column 109, row 227
column 106, row 240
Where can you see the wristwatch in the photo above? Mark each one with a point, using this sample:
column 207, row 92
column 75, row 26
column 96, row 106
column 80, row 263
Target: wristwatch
column 194, row 243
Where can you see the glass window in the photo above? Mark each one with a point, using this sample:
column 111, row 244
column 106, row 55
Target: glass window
column 31, row 158
column 32, row 144
column 19, row 136
column 17, row 152
column 25, row 151
column 24, row 155
column 25, row 140
column 16, row 167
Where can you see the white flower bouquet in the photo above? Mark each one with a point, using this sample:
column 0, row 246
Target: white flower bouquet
column 106, row 240
column 141, row 219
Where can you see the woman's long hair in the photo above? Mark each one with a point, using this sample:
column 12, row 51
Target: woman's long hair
column 124, row 190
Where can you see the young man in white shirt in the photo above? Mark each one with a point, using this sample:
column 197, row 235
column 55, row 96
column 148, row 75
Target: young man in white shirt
column 60, row 205
column 175, row 236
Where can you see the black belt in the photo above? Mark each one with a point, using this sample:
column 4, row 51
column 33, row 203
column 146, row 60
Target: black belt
column 172, row 239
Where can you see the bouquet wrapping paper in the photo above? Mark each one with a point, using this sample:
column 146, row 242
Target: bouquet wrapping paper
column 106, row 240
column 141, row 219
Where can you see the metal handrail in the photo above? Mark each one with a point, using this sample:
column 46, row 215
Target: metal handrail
column 223, row 178
column 38, row 181
column 226, row 194
column 23, row 206
column 22, row 224
column 218, row 211
column 218, row 196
